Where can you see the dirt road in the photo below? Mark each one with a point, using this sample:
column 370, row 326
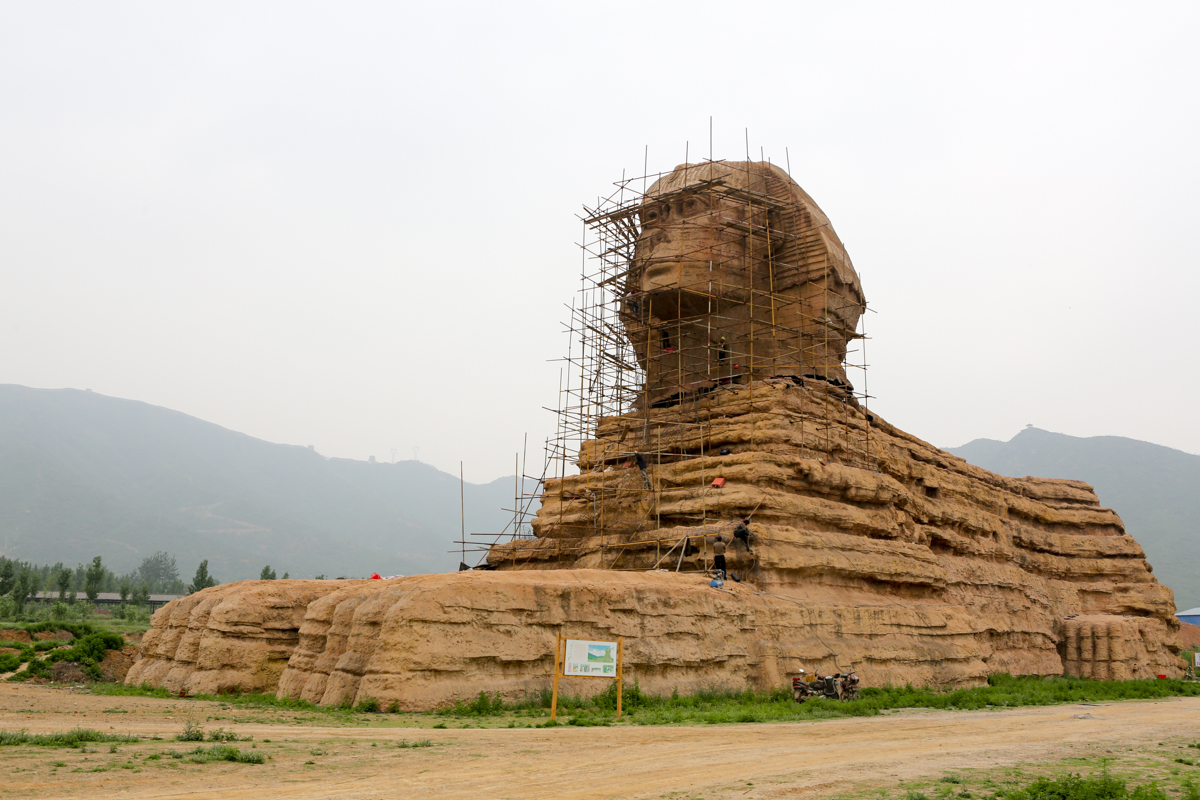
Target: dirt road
column 312, row 757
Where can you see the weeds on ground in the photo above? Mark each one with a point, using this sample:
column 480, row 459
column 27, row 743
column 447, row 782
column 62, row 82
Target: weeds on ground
column 718, row 706
column 254, row 700
column 224, row 752
column 1145, row 774
column 72, row 738
column 222, row 735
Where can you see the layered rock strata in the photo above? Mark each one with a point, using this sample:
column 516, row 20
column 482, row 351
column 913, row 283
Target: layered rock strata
column 854, row 518
column 235, row 637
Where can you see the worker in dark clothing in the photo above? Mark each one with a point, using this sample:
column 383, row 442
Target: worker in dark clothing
column 641, row 462
column 742, row 531
column 719, row 556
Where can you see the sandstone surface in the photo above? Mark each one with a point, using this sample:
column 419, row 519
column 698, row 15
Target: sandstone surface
column 235, row 637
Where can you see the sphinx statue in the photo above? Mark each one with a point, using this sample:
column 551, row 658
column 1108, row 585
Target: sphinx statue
column 737, row 274
column 857, row 546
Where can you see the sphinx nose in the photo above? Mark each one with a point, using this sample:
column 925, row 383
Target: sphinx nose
column 654, row 238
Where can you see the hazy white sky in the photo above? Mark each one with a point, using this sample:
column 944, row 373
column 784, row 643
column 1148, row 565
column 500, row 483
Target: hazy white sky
column 353, row 225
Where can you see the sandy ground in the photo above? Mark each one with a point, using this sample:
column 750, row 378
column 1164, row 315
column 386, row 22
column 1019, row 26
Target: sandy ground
column 314, row 756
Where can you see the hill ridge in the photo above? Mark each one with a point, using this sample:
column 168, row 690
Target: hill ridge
column 83, row 473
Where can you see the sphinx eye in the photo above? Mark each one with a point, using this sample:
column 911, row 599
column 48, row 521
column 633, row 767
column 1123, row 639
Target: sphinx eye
column 653, row 214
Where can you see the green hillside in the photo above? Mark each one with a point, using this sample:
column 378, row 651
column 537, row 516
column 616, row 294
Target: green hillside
column 82, row 474
column 1155, row 489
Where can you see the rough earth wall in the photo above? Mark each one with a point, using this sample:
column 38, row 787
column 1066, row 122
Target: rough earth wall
column 235, row 637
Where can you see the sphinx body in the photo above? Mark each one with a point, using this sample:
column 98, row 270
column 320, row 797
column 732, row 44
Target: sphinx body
column 866, row 548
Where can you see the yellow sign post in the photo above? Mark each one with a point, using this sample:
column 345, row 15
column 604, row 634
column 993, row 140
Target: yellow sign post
column 584, row 658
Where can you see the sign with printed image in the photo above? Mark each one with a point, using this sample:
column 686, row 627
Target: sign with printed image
column 587, row 658
column 584, row 658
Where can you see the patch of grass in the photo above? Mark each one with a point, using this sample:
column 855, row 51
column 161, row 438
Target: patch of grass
column 76, row 737
column 224, row 752
column 249, row 699
column 718, row 706
column 418, row 743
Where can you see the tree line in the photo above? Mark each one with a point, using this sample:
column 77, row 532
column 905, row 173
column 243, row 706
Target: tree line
column 158, row 574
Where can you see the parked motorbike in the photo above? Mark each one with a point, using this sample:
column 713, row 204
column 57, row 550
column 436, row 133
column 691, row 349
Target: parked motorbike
column 838, row 686
column 804, row 686
column 849, row 686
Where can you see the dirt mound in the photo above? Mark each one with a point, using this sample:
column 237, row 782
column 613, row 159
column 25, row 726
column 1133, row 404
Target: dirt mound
column 68, row 672
column 116, row 664
column 15, row 635
column 1189, row 635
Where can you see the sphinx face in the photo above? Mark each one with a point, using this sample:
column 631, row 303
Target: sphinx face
column 736, row 273
column 692, row 252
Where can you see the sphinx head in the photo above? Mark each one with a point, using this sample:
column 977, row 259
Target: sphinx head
column 737, row 273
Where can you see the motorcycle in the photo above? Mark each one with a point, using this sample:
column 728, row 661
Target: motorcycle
column 838, row 686
column 804, row 686
column 849, row 686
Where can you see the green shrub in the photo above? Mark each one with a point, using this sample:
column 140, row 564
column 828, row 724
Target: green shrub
column 368, row 705
column 1074, row 787
column 9, row 662
column 224, row 752
column 38, row 668
column 191, row 732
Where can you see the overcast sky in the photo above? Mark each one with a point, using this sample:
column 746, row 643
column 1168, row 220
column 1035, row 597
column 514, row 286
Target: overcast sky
column 353, row 225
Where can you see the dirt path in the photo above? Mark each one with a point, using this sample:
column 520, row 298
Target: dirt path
column 312, row 759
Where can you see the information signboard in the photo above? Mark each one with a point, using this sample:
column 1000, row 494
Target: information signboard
column 590, row 659
column 587, row 658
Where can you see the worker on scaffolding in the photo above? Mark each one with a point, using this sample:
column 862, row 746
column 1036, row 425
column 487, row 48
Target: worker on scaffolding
column 718, row 548
column 743, row 532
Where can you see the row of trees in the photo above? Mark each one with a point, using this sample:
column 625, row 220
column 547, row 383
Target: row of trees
column 158, row 574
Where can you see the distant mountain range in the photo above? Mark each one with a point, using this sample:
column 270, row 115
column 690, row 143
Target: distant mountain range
column 82, row 475
column 1155, row 489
